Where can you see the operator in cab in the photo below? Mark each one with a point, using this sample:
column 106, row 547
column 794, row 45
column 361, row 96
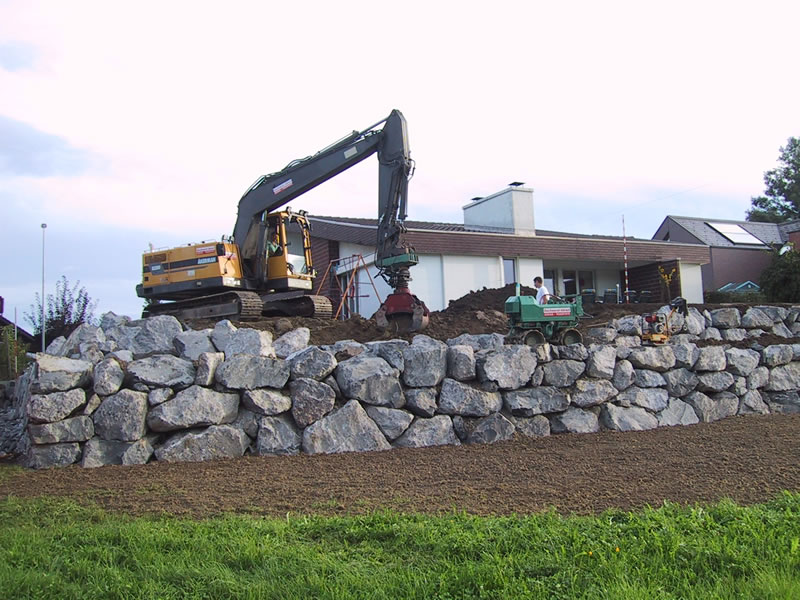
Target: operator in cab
column 542, row 294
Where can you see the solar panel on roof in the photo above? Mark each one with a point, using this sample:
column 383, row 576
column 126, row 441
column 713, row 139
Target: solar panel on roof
column 735, row 233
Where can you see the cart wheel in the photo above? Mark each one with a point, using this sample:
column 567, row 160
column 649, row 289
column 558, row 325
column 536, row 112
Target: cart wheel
column 571, row 336
column 534, row 338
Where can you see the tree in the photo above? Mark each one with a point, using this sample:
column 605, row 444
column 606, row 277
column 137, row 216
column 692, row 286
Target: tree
column 781, row 199
column 780, row 281
column 64, row 312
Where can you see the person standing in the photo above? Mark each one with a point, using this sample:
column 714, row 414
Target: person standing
column 542, row 294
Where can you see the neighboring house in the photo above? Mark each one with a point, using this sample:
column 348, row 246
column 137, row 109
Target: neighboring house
column 22, row 335
column 498, row 244
column 740, row 250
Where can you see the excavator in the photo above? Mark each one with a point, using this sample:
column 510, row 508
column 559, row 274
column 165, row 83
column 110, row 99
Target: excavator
column 265, row 268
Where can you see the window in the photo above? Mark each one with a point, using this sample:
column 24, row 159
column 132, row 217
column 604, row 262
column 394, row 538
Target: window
column 509, row 270
column 576, row 281
column 585, row 280
column 734, row 233
column 570, row 283
column 549, row 280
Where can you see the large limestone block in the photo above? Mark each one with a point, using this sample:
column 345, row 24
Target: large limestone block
column 436, row 431
column 784, row 378
column 346, row 429
column 457, row 398
column 217, row 441
column 249, row 342
column 563, row 373
column 222, row 333
column 714, row 381
column 742, row 362
column 751, row 403
column 591, row 392
column 776, row 313
column 483, row 341
column 677, row 412
column 83, row 334
column 528, row 402
column 491, row 429
column 680, row 382
column 194, row 407
column 758, row 378
column 425, row 362
column 601, row 363
column 421, row 401
column 191, row 344
column 98, row 452
column 76, row 429
column 47, row 408
column 108, row 377
column 510, row 367
column 624, row 375
column 248, row 372
column 53, row 455
column 652, row 399
column 147, row 336
column 601, row 335
column 311, row 400
column 461, row 363
column 628, row 326
column 121, row 417
column 311, row 362
column 783, row 402
column 726, row 318
column 162, row 370
column 278, row 435
column 56, row 374
column 621, row 418
column 776, row 355
column 647, row 378
column 695, row 323
column 711, row 358
column 391, row 421
column 574, row 420
column 291, row 342
column 756, row 318
column 734, row 335
column 710, row 409
column 371, row 380
column 391, row 351
column 207, row 364
column 266, row 402
column 573, row 352
column 653, row 358
column 536, row 426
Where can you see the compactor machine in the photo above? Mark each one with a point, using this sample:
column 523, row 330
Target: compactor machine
column 266, row 267
column 533, row 324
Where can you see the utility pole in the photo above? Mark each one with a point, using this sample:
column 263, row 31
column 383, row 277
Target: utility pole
column 44, row 226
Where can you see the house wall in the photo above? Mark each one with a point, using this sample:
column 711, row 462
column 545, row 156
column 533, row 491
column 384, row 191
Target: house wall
column 463, row 274
column 735, row 265
column 527, row 269
column 691, row 277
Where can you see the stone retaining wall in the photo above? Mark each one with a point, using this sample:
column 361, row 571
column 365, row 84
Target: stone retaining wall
column 129, row 392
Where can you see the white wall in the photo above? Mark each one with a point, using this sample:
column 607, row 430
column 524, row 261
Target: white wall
column 691, row 282
column 463, row 274
column 527, row 269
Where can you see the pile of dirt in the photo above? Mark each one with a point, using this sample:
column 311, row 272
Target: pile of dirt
column 478, row 312
column 749, row 459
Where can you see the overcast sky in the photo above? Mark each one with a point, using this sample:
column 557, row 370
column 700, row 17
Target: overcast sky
column 129, row 123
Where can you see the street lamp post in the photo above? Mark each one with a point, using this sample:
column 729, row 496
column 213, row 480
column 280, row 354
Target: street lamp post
column 44, row 226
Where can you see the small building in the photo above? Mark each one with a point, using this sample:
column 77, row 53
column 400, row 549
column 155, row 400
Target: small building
column 739, row 250
column 497, row 244
column 22, row 335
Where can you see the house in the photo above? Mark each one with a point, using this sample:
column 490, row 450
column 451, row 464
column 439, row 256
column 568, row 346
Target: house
column 739, row 250
column 498, row 244
column 22, row 335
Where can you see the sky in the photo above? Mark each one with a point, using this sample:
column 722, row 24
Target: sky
column 125, row 124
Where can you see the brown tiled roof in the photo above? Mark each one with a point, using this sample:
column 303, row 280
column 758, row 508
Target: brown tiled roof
column 450, row 238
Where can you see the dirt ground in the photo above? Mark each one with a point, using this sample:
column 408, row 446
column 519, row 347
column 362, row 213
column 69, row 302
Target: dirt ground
column 749, row 459
column 478, row 312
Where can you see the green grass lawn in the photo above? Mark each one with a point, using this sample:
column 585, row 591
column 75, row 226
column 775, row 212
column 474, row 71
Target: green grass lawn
column 57, row 549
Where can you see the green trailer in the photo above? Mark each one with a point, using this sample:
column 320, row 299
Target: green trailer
column 533, row 324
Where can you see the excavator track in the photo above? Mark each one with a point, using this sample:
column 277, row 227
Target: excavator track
column 245, row 306
column 296, row 305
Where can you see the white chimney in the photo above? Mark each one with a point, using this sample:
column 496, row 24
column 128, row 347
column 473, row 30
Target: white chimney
column 507, row 211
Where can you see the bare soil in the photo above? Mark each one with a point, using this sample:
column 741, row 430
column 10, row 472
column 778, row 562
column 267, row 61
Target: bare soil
column 748, row 459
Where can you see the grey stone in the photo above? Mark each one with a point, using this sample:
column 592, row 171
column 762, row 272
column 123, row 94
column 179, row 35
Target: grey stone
column 601, row 335
column 425, row 362
column 56, row 346
column 391, row 351
column 784, row 378
column 646, row 378
column 90, row 353
column 602, row 362
column 510, row 367
column 491, row 429
column 194, row 407
column 150, row 336
column 47, row 408
column 677, row 412
column 391, row 421
column 739, row 386
column 207, row 364
column 123, row 357
column 278, row 435
column 630, row 325
column 751, row 403
column 620, row 418
column 528, row 402
column 311, row 362
column 796, row 350
column 191, row 344
column 628, row 341
column 370, row 380
column 457, row 398
column 346, row 429
column 563, row 373
column 710, row 409
column 755, row 333
column 311, row 400
column 247, row 421
column 680, row 382
column 345, row 349
column 76, row 429
column 55, row 374
column 758, row 379
column 591, row 392
column 756, row 318
column 712, row 358
column 92, row 404
column 742, row 362
column 623, row 375
column 783, row 402
column 714, row 381
column 538, row 376
column 82, row 334
column 711, row 333
column 108, row 377
column 726, row 318
column 98, row 452
column 421, row 401
column 162, row 370
column 291, row 342
column 330, row 381
column 222, row 333
column 461, row 363
column 536, row 426
column 707, row 317
column 573, row 352
column 436, row 431
column 246, row 372
column 781, row 330
column 121, row 417
column 266, row 402
column 484, row 341
column 159, row 396
column 53, row 455
column 214, row 442
column 543, row 352
column 111, row 319
column 776, row 355
column 574, row 420
column 653, row 399
column 249, row 342
column 694, row 323
column 654, row 358
column 734, row 335
column 776, row 313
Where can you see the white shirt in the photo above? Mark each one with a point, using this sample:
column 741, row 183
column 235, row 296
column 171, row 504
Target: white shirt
column 540, row 294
